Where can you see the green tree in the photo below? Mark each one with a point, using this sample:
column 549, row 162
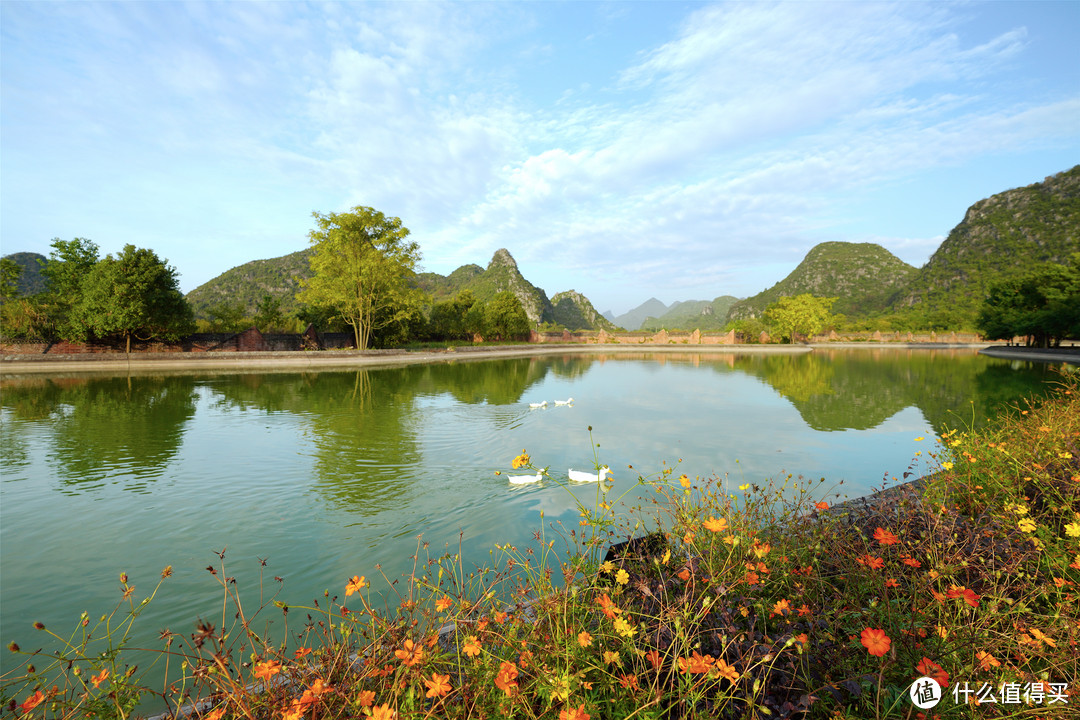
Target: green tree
column 268, row 312
column 69, row 263
column 226, row 317
column 458, row 318
column 1042, row 306
column 134, row 294
column 799, row 315
column 363, row 265
column 505, row 318
column 9, row 278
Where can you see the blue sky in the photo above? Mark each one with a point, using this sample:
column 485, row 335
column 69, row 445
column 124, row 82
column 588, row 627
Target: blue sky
column 622, row 149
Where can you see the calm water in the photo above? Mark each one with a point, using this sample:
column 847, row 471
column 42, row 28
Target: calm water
column 326, row 474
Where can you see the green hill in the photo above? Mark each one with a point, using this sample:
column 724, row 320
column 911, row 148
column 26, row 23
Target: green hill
column 247, row 284
column 501, row 274
column 693, row 315
column 999, row 237
column 574, row 312
column 862, row 275
column 31, row 281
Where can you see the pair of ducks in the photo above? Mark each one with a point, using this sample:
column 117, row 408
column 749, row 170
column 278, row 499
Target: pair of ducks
column 575, row 475
column 534, row 406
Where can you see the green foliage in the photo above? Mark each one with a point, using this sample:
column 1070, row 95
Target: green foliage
column 9, row 278
column 30, row 280
column 1043, row 306
column 456, row 319
column 692, row 315
column 748, row 329
column 69, row 264
column 268, row 314
column 134, row 294
column 804, row 315
column 226, row 317
column 574, row 311
column 363, row 267
column 505, row 319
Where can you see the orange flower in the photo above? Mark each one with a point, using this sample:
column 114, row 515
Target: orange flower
column 876, row 641
column 715, row 524
column 607, row 606
column 727, row 671
column 438, row 685
column 505, row 680
column 471, row 646
column 355, row 585
column 912, row 562
column 696, row 664
column 301, row 652
column 986, row 660
column 885, row 537
column 971, row 598
column 443, row 603
column 891, row 583
column 780, row 608
column 821, row 505
column 761, row 550
column 215, row 714
column 383, row 712
column 500, row 616
column 654, row 659
column 931, row 669
column 628, row 682
column 410, row 654
column 366, row 698
column 955, row 591
column 751, row 578
column 268, row 669
column 520, row 461
column 684, row 574
column 33, row 701
column 804, row 609
column 577, row 713
column 874, row 563
column 802, row 638
column 99, row 678
column 584, row 639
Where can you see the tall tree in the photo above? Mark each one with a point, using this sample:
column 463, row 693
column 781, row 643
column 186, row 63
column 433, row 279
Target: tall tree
column 505, row 317
column 1043, row 306
column 134, row 294
column 363, row 264
column 799, row 315
column 9, row 278
column 69, row 263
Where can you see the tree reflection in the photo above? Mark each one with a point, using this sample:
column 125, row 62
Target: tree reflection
column 107, row 426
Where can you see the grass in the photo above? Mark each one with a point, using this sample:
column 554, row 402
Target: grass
column 766, row 603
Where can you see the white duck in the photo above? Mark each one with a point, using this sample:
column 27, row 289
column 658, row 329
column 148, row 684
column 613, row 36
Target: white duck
column 570, row 401
column 534, row 406
column 579, row 476
column 525, row 479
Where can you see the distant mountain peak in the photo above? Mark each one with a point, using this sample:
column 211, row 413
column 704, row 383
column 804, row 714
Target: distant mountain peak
column 502, row 257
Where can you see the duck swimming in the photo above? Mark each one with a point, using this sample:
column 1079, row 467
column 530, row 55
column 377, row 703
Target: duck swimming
column 525, row 479
column 579, row 476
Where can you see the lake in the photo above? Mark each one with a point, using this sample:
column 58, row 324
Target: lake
column 327, row 474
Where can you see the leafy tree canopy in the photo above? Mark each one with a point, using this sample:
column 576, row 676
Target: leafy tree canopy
column 133, row 294
column 799, row 315
column 505, row 317
column 362, row 264
column 1042, row 306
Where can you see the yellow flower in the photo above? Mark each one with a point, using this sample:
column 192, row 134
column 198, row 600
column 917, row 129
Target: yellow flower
column 684, row 481
column 667, row 556
column 919, row 439
column 1073, row 529
column 584, row 639
column 443, row 603
column 622, row 577
column 521, row 460
column 745, row 487
column 624, row 628
column 612, row 658
column 1026, row 525
column 607, row 567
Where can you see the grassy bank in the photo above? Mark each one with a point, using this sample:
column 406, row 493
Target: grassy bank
column 765, row 603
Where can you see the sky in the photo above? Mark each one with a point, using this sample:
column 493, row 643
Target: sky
column 627, row 150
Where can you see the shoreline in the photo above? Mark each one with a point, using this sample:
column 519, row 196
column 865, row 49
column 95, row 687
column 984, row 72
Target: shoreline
column 345, row 359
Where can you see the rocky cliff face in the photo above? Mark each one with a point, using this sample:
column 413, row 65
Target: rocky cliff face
column 574, row 312
column 502, row 274
column 999, row 237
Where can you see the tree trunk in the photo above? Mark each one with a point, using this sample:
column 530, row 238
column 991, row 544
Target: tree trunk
column 128, row 337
